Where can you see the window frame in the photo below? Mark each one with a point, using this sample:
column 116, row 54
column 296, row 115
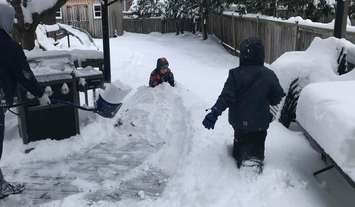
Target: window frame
column 60, row 14
column 93, row 8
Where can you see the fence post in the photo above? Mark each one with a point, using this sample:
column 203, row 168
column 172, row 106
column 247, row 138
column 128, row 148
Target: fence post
column 222, row 29
column 257, row 26
column 233, row 33
column 297, row 42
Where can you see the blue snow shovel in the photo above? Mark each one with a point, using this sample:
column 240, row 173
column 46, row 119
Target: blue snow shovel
column 103, row 107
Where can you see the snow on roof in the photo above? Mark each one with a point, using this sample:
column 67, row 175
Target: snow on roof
column 326, row 112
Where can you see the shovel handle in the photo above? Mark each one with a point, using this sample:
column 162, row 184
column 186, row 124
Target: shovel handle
column 73, row 105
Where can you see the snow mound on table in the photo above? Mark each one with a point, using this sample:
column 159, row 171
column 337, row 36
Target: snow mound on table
column 326, row 111
column 316, row 64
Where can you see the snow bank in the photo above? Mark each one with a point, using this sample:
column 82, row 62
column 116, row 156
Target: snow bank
column 326, row 111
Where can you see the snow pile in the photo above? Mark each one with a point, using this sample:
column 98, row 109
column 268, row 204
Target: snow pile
column 83, row 36
column 78, row 39
column 114, row 93
column 326, row 111
column 36, row 6
column 316, row 64
column 52, row 65
column 73, row 55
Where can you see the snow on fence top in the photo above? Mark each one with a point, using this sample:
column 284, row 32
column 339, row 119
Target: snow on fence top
column 326, row 111
column 293, row 20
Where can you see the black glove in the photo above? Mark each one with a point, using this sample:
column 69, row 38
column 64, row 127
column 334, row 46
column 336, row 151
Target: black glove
column 211, row 118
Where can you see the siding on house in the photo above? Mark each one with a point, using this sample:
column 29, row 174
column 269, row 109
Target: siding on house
column 80, row 13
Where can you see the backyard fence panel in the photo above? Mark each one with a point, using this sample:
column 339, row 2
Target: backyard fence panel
column 278, row 37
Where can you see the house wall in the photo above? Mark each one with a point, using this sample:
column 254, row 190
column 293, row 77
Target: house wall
column 80, row 13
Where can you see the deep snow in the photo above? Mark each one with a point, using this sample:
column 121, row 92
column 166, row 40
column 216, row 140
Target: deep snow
column 156, row 152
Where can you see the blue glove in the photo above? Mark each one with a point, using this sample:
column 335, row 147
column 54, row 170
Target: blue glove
column 210, row 119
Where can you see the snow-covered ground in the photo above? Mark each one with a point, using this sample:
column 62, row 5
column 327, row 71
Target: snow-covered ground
column 155, row 152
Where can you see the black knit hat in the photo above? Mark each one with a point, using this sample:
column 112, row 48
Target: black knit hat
column 252, row 52
column 162, row 63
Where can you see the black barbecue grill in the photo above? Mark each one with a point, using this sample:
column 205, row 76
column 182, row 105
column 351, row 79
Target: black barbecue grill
column 61, row 79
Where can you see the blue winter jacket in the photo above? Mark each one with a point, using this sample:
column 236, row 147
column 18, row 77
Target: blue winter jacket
column 250, row 89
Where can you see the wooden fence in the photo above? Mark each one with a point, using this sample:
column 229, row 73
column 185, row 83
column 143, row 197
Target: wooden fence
column 148, row 25
column 278, row 37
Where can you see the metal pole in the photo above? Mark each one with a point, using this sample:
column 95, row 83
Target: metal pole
column 341, row 15
column 204, row 19
column 106, row 41
column 68, row 38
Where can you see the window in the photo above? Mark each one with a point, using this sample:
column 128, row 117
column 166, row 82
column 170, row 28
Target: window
column 97, row 11
column 58, row 14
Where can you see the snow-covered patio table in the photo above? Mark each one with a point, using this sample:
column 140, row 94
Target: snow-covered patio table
column 326, row 111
